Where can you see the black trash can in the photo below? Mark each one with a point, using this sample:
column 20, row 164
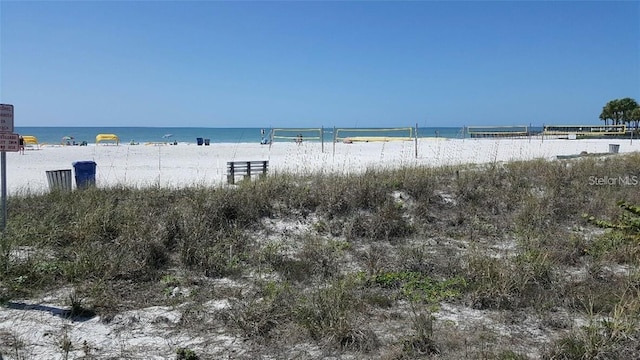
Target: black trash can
column 85, row 174
column 207, row 142
column 199, row 141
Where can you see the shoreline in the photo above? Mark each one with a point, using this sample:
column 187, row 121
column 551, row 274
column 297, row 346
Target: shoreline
column 189, row 164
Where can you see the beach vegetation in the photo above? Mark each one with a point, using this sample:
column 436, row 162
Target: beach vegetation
column 455, row 262
column 421, row 343
column 186, row 354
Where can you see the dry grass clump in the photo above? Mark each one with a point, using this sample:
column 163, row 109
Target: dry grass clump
column 356, row 264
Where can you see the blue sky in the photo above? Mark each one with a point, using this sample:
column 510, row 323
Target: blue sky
column 316, row 63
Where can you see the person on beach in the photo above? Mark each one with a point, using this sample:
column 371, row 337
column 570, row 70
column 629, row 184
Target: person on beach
column 263, row 139
column 21, row 144
column 299, row 139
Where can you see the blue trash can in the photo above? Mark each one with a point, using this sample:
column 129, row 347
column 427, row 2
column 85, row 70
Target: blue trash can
column 199, row 140
column 85, row 174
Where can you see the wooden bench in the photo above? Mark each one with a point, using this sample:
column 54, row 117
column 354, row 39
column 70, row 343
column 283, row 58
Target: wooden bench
column 246, row 169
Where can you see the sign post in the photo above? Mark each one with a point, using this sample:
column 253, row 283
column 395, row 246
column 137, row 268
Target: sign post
column 7, row 139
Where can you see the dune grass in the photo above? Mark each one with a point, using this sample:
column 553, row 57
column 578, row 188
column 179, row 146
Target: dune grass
column 340, row 261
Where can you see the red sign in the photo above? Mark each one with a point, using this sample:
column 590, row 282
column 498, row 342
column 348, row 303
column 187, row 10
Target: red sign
column 9, row 142
column 6, row 118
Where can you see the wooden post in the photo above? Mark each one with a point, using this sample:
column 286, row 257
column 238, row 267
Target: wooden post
column 264, row 168
column 416, row 140
column 231, row 175
column 247, row 175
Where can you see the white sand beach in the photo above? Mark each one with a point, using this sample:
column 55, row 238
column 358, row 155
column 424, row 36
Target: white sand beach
column 39, row 331
column 188, row 164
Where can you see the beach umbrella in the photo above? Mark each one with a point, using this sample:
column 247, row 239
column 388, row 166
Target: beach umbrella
column 64, row 138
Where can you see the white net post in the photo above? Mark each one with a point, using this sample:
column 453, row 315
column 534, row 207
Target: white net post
column 416, row 140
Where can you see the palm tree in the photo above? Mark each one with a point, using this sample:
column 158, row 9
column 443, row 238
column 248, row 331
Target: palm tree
column 618, row 110
column 626, row 106
column 635, row 117
column 610, row 112
column 605, row 115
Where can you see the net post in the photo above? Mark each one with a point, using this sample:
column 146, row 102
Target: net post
column 334, row 141
column 322, row 139
column 415, row 135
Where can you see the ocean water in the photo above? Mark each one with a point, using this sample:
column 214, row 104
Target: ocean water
column 58, row 135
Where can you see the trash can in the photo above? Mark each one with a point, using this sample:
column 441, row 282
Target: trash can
column 59, row 180
column 85, row 174
column 199, row 141
column 614, row 148
column 207, row 142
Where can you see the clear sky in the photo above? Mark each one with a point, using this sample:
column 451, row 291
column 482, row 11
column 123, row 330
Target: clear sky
column 316, row 63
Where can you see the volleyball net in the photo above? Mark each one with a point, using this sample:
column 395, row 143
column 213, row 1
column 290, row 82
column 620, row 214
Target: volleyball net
column 296, row 134
column 349, row 135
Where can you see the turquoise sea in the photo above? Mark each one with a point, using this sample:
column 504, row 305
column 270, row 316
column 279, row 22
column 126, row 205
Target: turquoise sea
column 57, row 135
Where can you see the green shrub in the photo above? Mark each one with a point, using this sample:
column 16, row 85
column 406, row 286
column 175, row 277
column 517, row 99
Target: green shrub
column 186, row 354
column 418, row 287
column 622, row 243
